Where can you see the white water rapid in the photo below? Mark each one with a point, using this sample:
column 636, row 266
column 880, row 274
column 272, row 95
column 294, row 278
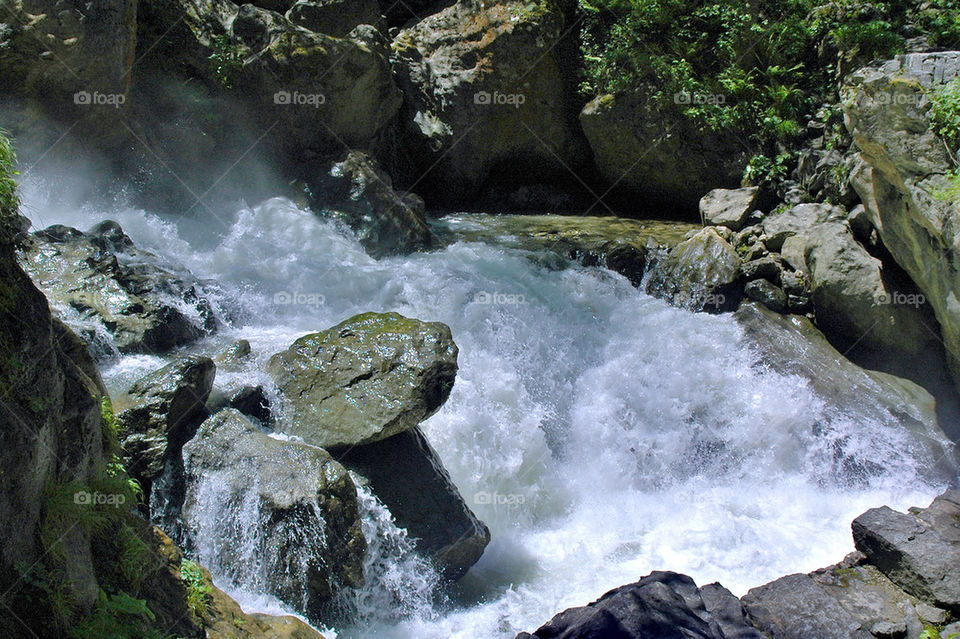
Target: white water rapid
column 599, row 433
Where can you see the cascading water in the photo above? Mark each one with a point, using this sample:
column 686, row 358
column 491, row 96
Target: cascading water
column 600, row 433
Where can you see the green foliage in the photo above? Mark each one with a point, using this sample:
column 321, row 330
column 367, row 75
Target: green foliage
column 9, row 200
column 226, row 61
column 762, row 170
column 756, row 69
column 198, row 590
column 945, row 112
column 116, row 616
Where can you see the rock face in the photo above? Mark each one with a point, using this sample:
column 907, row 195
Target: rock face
column 791, row 345
column 166, row 407
column 886, row 110
column 116, row 295
column 50, row 425
column 853, row 304
column 781, row 225
column 659, row 154
column 702, row 273
column 665, row 605
column 919, row 551
column 277, row 513
column 728, row 207
column 408, row 477
column 484, row 92
column 70, row 57
column 366, row 379
column 358, row 192
column 334, row 17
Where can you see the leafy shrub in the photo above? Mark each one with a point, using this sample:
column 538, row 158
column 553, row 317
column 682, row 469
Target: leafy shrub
column 9, row 202
column 198, row 590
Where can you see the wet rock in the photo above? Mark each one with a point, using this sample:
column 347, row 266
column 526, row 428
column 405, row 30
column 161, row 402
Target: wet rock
column 728, row 207
column 232, row 357
column 164, row 410
column 919, row 551
column 282, row 513
column 334, row 17
column 100, row 283
column 770, row 295
column 366, row 379
column 356, row 191
column 702, row 273
column 665, row 605
column 406, row 474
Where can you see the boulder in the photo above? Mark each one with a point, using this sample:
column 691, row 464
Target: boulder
column 406, row 474
column 919, row 551
column 851, row 600
column 659, row 153
column 334, row 17
column 164, row 410
column 701, row 273
column 791, row 345
column 276, row 515
column 665, row 605
column 795, row 220
column 356, row 191
column 728, row 207
column 368, row 378
column 854, row 304
column 886, row 109
column 484, row 95
column 770, row 295
column 118, row 297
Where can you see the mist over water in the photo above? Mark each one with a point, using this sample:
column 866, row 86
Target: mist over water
column 599, row 433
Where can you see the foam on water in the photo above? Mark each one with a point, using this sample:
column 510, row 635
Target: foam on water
column 599, row 433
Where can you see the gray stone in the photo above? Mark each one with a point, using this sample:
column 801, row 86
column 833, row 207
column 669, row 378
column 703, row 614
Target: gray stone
column 728, row 207
column 770, row 295
column 780, row 225
column 702, row 273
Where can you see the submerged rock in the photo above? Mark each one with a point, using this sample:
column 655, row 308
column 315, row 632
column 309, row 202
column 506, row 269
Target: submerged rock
column 701, row 273
column 356, row 191
column 665, row 605
column 100, row 277
column 406, row 474
column 368, row 378
column 278, row 514
column 920, row 551
column 164, row 410
column 791, row 345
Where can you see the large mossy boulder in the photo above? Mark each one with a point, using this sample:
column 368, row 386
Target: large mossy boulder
column 701, row 273
column 484, row 93
column 368, row 378
column 406, row 474
column 657, row 152
column 271, row 512
column 356, row 191
column 116, row 296
column 163, row 410
column 887, row 110
column 663, row 604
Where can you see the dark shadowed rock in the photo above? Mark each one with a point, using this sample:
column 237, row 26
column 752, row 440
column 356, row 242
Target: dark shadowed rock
column 407, row 475
column 334, row 17
column 662, row 605
column 366, row 379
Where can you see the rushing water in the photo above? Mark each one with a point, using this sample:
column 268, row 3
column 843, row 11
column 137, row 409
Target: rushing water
column 600, row 433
